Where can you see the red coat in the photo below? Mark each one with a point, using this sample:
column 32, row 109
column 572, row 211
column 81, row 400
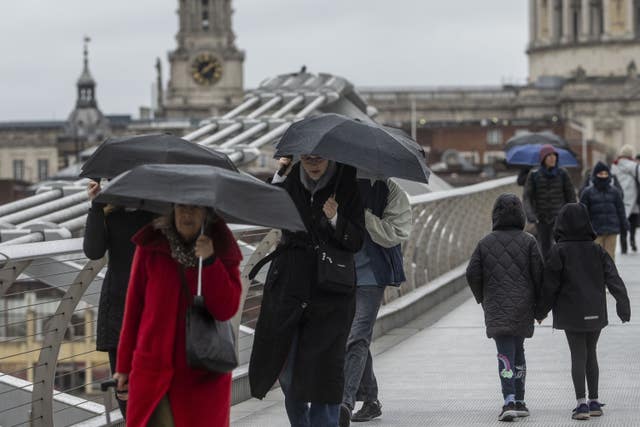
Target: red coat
column 152, row 341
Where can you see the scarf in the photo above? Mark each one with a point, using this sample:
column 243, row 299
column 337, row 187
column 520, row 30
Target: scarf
column 315, row 186
column 549, row 173
column 184, row 253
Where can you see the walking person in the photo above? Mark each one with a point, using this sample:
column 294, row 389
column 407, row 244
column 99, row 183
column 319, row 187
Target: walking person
column 378, row 264
column 626, row 169
column 110, row 229
column 507, row 282
column 577, row 274
column 163, row 390
column 305, row 319
column 605, row 207
column 546, row 190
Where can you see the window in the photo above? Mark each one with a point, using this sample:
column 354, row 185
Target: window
column 18, row 170
column 494, row 136
column 43, row 169
column 636, row 13
column 205, row 15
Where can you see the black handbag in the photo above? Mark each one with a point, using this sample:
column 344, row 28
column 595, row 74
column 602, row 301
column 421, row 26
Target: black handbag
column 336, row 269
column 211, row 344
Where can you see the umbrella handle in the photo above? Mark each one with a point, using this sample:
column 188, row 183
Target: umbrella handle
column 335, row 187
column 200, row 266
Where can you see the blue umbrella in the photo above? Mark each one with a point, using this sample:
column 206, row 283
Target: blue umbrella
column 530, row 155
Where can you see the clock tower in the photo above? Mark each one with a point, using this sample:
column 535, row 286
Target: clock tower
column 206, row 67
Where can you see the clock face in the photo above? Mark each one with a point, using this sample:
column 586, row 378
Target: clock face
column 206, row 69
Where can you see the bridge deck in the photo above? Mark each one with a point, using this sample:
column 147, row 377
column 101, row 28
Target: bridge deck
column 445, row 373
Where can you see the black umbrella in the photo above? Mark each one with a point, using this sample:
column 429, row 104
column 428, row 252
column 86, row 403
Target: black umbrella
column 116, row 155
column 237, row 198
column 537, row 138
column 376, row 150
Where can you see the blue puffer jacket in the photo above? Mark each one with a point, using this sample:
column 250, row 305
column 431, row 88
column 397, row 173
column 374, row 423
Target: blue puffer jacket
column 605, row 206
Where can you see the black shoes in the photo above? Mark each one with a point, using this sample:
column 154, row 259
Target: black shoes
column 508, row 413
column 522, row 410
column 345, row 416
column 369, row 411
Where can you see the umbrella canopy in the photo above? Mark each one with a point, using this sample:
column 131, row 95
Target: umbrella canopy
column 237, row 198
column 116, row 155
column 537, row 138
column 378, row 151
column 530, row 155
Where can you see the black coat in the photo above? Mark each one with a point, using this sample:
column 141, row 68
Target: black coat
column 577, row 274
column 545, row 194
column 505, row 272
column 292, row 303
column 606, row 209
column 112, row 233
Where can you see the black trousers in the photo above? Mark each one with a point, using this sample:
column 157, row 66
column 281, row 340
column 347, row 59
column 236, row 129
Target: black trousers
column 634, row 219
column 584, row 362
column 112, row 362
column 544, row 235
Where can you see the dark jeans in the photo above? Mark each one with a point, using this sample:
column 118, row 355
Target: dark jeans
column 305, row 414
column 512, row 366
column 544, row 235
column 633, row 224
column 112, row 362
column 584, row 362
column 359, row 380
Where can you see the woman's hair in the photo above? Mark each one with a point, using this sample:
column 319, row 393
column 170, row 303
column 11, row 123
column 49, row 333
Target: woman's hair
column 169, row 220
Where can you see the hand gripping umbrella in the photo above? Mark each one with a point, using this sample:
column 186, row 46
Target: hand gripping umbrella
column 116, row 155
column 377, row 151
column 235, row 197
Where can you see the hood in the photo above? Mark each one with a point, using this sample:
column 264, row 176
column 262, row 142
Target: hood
column 573, row 223
column 508, row 213
column 546, row 150
column 601, row 183
column 599, row 167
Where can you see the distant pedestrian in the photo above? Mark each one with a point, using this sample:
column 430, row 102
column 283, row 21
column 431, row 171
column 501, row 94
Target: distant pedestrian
column 577, row 274
column 605, row 207
column 547, row 189
column 378, row 264
column 627, row 169
column 110, row 229
column 505, row 276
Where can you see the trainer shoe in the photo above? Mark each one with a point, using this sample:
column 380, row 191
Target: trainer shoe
column 369, row 411
column 522, row 410
column 508, row 413
column 595, row 408
column 581, row 412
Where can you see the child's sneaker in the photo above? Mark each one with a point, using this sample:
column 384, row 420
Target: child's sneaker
column 581, row 412
column 522, row 410
column 595, row 408
column 509, row 412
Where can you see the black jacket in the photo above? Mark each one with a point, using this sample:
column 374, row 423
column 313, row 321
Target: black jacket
column 544, row 195
column 292, row 303
column 577, row 274
column 112, row 233
column 505, row 272
column 605, row 205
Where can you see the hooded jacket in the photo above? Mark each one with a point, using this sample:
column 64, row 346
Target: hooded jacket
column 604, row 203
column 505, row 272
column 577, row 274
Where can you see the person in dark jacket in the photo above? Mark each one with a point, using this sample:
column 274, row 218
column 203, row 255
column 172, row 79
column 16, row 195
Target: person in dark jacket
column 577, row 274
column 388, row 223
column 505, row 276
column 110, row 228
column 606, row 209
column 547, row 189
column 303, row 324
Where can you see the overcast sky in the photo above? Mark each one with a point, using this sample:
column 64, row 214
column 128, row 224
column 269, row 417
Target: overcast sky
column 370, row 42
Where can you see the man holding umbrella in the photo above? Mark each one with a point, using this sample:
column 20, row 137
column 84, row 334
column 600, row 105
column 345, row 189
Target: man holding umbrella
column 546, row 190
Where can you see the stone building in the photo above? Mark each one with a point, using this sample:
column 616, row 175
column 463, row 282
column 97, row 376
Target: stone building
column 582, row 71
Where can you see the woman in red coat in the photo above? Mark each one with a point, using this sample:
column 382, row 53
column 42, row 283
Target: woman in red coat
column 151, row 362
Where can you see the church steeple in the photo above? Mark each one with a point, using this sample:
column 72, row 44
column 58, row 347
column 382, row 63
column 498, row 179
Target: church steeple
column 86, row 84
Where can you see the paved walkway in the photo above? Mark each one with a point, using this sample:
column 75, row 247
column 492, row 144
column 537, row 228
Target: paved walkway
column 445, row 373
